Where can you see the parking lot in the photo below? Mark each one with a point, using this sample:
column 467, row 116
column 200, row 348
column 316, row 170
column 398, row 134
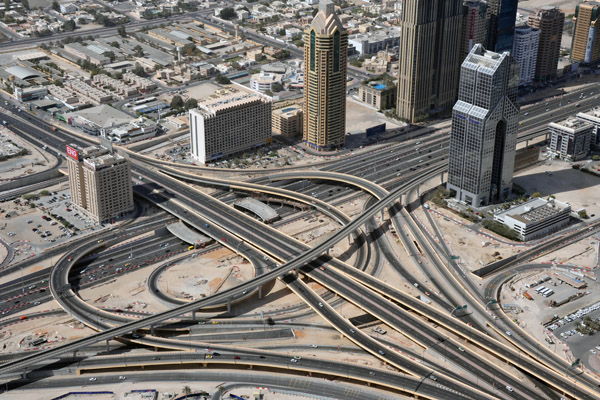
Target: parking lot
column 59, row 203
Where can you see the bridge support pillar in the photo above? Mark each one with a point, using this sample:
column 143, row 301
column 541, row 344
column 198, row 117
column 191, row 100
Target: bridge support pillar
column 418, row 190
column 193, row 315
column 260, row 292
column 229, row 305
column 527, row 143
column 349, row 240
column 24, row 375
column 152, row 330
column 107, row 346
column 442, row 178
column 382, row 215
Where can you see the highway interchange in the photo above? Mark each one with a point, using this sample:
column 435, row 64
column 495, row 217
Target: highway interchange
column 390, row 175
column 396, row 167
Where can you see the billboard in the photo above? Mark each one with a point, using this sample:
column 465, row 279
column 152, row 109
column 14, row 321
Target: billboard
column 375, row 130
column 71, row 152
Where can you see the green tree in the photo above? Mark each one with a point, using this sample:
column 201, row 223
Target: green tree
column 536, row 195
column 277, row 87
column 121, row 31
column 596, row 157
column 55, row 6
column 69, row 26
column 138, row 51
column 6, row 5
column 187, row 390
column 139, row 70
column 227, row 14
column 111, row 55
column 222, row 80
column 190, row 103
column 582, row 214
column 177, row 102
column 25, row 4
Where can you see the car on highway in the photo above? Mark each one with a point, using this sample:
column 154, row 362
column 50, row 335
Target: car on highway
column 314, row 346
column 293, row 360
column 122, row 378
column 92, row 379
column 320, row 304
column 381, row 352
column 208, row 356
column 236, row 357
column 352, row 331
column 508, row 333
column 510, row 389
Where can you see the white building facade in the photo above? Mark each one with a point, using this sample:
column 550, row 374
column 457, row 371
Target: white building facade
column 525, row 50
column 536, row 218
column 230, row 123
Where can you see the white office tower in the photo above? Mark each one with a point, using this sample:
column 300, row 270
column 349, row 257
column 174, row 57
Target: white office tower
column 525, row 51
column 484, row 128
column 229, row 122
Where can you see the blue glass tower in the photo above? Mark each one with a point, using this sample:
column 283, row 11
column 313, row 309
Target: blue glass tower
column 501, row 28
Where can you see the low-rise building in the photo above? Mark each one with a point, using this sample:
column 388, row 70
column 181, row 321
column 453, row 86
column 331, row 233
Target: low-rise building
column 570, row 139
column 372, row 42
column 62, row 94
column 264, row 81
column 229, row 122
column 31, row 93
column 378, row 94
column 287, row 121
column 88, row 91
column 593, row 117
column 100, row 182
column 536, row 218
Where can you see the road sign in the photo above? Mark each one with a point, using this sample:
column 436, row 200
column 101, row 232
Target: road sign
column 454, row 257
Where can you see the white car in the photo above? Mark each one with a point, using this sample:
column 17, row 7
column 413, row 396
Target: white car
column 92, row 379
column 508, row 333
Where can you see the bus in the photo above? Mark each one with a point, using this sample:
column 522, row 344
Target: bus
column 538, row 290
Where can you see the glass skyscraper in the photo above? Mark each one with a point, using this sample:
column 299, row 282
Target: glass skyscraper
column 501, row 27
column 485, row 120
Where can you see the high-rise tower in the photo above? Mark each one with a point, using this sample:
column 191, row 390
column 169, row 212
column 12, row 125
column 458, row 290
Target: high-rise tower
column 549, row 20
column 501, row 24
column 525, row 51
column 485, row 120
column 429, row 62
column 325, row 66
column 585, row 47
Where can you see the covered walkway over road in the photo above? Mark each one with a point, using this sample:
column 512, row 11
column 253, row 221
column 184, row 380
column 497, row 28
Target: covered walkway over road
column 264, row 212
column 187, row 234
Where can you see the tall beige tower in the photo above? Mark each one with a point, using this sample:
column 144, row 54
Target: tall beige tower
column 585, row 46
column 550, row 21
column 325, row 65
column 429, row 59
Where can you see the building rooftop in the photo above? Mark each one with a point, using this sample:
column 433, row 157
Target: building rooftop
column 222, row 100
column 535, row 210
column 103, row 116
column 572, row 124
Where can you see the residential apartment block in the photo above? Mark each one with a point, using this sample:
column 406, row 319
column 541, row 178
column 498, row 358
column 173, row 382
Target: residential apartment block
column 525, row 50
column 549, row 20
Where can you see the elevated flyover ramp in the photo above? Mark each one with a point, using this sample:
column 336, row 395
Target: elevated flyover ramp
column 187, row 234
column 263, row 211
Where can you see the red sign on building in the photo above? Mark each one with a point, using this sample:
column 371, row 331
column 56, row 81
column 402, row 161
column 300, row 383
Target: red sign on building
column 71, row 152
